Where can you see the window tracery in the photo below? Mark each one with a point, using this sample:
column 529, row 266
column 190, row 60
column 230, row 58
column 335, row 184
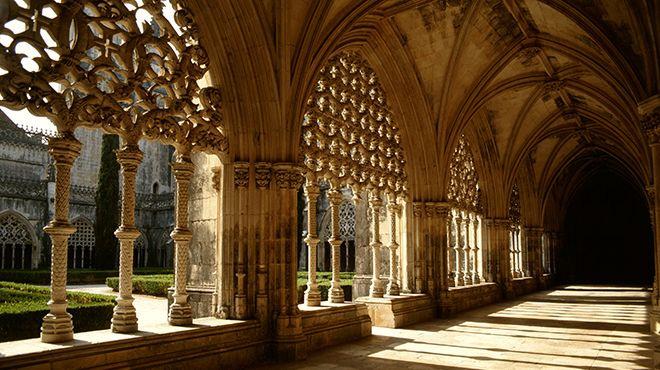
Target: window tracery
column 81, row 244
column 140, row 251
column 463, row 188
column 16, row 242
column 349, row 135
column 465, row 259
column 117, row 65
column 517, row 252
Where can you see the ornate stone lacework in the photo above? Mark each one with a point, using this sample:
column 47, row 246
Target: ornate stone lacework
column 514, row 205
column 117, row 65
column 463, row 189
column 464, row 263
column 349, row 135
column 81, row 243
column 347, row 221
column 16, row 243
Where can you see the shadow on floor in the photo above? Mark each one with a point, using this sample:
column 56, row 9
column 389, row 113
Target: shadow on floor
column 578, row 327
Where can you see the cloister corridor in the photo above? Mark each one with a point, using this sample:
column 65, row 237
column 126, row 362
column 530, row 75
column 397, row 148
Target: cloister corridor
column 572, row 327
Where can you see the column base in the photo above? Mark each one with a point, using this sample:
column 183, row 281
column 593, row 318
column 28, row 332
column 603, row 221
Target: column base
column 336, row 295
column 393, row 289
column 376, row 289
column 312, row 297
column 180, row 315
column 57, row 328
column 124, row 319
column 654, row 320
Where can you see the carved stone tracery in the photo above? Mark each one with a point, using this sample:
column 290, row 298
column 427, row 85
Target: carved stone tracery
column 117, row 65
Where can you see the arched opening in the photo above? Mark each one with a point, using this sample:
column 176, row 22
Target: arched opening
column 607, row 233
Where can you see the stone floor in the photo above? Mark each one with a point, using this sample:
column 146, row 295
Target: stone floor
column 150, row 309
column 575, row 327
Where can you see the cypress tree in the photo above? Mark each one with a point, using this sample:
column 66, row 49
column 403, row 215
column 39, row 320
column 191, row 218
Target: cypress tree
column 107, row 206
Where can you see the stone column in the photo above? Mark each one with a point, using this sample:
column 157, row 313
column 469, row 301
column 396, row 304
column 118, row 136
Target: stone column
column 460, row 249
column 376, row 288
column 312, row 294
column 393, row 209
column 336, row 294
column 477, row 257
column 471, row 249
column 520, row 269
column 456, row 245
column 57, row 325
column 124, row 319
column 180, row 311
column 442, row 211
column 418, row 215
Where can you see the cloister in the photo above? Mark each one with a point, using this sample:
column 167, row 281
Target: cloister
column 457, row 154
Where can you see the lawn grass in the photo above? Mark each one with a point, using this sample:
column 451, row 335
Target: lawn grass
column 22, row 307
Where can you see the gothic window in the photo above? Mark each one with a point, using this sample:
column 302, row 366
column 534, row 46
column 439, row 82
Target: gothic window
column 140, row 251
column 465, row 256
column 517, row 252
column 16, row 242
column 81, row 244
column 347, row 221
column 165, row 249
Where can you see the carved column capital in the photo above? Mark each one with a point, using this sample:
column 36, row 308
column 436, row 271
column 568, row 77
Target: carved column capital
column 288, row 175
column 418, row 209
column 262, row 174
column 64, row 150
column 241, row 174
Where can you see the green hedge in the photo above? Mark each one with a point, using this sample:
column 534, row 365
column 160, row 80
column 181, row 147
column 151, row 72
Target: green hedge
column 323, row 279
column 78, row 276
column 157, row 285
column 23, row 306
column 146, row 284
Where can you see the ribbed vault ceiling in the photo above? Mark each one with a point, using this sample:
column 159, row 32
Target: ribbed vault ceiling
column 538, row 83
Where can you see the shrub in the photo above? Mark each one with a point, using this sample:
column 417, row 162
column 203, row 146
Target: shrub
column 79, row 276
column 146, row 284
column 22, row 308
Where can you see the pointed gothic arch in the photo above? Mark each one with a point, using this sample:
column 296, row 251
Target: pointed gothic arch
column 81, row 243
column 18, row 241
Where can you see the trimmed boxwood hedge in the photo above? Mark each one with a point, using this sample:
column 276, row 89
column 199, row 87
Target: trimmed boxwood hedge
column 157, row 285
column 78, row 276
column 23, row 306
column 146, row 284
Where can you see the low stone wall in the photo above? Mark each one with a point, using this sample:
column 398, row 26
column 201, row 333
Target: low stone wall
column 399, row 311
column 524, row 286
column 464, row 298
column 216, row 345
column 335, row 324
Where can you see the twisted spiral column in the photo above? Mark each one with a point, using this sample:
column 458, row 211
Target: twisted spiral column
column 393, row 209
column 124, row 319
column 57, row 325
column 180, row 311
column 376, row 288
column 312, row 294
column 336, row 292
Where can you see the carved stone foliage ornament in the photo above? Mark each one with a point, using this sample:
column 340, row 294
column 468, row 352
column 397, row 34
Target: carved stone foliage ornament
column 117, row 65
column 349, row 135
column 464, row 191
